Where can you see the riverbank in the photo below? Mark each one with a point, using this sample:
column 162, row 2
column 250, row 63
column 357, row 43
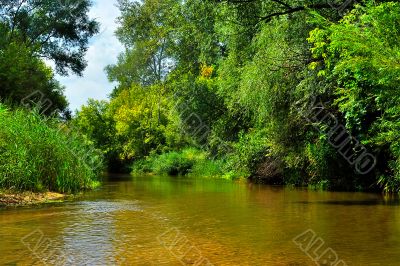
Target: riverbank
column 10, row 198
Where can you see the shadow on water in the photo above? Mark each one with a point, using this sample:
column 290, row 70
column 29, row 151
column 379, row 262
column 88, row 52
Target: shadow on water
column 116, row 177
column 391, row 202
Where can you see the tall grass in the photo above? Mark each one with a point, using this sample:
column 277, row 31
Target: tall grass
column 37, row 154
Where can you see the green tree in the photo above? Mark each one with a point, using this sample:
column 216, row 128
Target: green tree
column 96, row 122
column 145, row 32
column 360, row 57
column 57, row 30
column 139, row 122
column 26, row 80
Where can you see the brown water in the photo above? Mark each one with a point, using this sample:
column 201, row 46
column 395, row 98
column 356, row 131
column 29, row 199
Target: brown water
column 175, row 221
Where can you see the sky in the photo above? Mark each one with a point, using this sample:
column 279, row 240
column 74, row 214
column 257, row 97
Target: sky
column 103, row 50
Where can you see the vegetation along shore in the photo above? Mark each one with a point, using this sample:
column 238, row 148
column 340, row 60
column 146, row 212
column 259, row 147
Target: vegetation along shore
column 219, row 90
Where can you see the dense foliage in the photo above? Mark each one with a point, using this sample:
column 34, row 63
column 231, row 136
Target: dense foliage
column 286, row 92
column 40, row 150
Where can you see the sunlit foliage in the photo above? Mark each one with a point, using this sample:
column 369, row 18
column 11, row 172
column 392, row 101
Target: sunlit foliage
column 242, row 75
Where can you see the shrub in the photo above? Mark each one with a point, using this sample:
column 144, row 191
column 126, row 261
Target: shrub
column 172, row 163
column 248, row 153
column 176, row 163
column 189, row 161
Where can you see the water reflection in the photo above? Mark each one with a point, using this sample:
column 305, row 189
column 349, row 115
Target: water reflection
column 355, row 202
column 228, row 223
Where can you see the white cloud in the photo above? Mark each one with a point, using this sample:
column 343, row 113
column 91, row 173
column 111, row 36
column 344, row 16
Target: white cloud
column 103, row 50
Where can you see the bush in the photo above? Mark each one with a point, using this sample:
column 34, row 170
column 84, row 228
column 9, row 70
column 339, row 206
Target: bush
column 172, row 163
column 38, row 154
column 176, row 163
column 248, row 153
column 190, row 161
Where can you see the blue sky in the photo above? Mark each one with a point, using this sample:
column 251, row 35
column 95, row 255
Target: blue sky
column 103, row 50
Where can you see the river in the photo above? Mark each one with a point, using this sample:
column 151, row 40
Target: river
column 182, row 221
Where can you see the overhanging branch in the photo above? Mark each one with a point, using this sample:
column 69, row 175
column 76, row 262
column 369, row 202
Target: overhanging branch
column 294, row 10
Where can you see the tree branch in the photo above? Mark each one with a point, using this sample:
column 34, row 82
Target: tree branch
column 293, row 10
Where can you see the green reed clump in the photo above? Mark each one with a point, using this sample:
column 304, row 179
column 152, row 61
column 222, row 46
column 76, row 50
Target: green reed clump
column 38, row 153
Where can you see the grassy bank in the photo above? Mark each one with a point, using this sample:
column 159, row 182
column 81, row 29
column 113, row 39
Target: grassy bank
column 188, row 162
column 39, row 154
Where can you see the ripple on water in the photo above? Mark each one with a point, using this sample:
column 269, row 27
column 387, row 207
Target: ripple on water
column 93, row 235
column 92, row 207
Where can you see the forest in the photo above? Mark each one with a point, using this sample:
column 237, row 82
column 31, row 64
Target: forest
column 282, row 92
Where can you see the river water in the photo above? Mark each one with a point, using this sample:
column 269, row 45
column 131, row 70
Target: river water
column 181, row 221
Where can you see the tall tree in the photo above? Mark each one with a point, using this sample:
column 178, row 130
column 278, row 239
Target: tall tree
column 145, row 32
column 56, row 30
